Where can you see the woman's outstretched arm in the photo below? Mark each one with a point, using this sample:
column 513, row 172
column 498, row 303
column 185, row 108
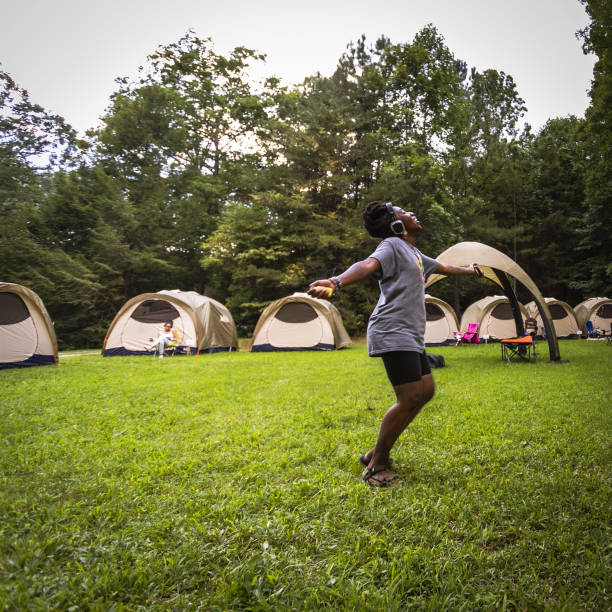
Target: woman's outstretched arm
column 358, row 271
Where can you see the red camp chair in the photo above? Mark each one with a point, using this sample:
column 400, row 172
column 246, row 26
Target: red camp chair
column 471, row 334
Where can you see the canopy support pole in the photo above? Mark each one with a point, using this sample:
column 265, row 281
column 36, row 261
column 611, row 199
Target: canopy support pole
column 516, row 309
column 551, row 334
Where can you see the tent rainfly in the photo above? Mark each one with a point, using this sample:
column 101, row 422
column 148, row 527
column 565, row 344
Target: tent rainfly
column 500, row 269
column 562, row 315
column 204, row 325
column 441, row 323
column 299, row 322
column 494, row 316
column 27, row 336
column 598, row 310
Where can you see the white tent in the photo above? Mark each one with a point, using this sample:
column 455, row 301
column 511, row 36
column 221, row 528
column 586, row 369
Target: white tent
column 27, row 337
column 598, row 310
column 203, row 324
column 562, row 315
column 494, row 316
column 299, row 322
column 441, row 323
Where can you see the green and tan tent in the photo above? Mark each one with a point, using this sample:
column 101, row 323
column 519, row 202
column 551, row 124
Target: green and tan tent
column 562, row 314
column 299, row 322
column 204, row 325
column 441, row 321
column 598, row 310
column 27, row 336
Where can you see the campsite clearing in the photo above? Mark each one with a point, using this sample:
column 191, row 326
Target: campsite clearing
column 231, row 481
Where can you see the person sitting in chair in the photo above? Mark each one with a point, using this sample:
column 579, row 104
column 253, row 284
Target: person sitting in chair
column 166, row 336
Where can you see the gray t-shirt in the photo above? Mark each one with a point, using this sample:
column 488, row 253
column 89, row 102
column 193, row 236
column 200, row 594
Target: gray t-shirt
column 398, row 321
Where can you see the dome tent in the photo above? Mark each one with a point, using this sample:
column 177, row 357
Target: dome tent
column 598, row 310
column 563, row 317
column 299, row 322
column 27, row 336
column 441, row 321
column 205, row 325
column 494, row 316
column 500, row 269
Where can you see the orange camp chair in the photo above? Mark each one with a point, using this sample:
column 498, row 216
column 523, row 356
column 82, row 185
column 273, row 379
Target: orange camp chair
column 518, row 349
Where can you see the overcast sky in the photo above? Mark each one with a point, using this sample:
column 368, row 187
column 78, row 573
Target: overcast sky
column 67, row 53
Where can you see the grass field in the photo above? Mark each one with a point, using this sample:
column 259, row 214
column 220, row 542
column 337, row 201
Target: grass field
column 231, row 482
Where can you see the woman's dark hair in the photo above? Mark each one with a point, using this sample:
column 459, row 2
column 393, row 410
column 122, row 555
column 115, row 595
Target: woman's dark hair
column 169, row 323
column 376, row 220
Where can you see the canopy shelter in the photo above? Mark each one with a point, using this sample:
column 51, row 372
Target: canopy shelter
column 203, row 324
column 563, row 317
column 441, row 321
column 499, row 269
column 494, row 316
column 299, row 322
column 27, row 336
column 598, row 310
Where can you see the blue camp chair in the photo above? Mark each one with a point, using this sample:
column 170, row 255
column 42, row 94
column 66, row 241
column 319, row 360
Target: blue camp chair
column 592, row 332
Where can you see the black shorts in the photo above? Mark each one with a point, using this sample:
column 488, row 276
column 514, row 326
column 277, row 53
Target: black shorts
column 405, row 366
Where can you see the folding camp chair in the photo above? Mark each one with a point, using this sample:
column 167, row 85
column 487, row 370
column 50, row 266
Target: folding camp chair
column 175, row 348
column 172, row 348
column 593, row 332
column 518, row 349
column 471, row 334
column 531, row 326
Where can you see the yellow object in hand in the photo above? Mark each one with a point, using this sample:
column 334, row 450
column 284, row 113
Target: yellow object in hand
column 328, row 290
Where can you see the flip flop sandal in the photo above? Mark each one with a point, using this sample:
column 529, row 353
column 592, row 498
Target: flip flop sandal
column 376, row 478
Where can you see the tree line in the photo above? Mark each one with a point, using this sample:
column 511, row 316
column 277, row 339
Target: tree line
column 198, row 178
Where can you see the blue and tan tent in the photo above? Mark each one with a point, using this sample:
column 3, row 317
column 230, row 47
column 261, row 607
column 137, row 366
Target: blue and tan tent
column 27, row 336
column 563, row 318
column 494, row 317
column 203, row 324
column 597, row 310
column 441, row 321
column 299, row 322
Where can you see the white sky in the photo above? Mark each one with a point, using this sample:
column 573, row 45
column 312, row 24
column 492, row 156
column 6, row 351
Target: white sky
column 67, row 53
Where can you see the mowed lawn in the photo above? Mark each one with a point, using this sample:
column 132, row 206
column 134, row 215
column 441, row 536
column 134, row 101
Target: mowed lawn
column 231, row 482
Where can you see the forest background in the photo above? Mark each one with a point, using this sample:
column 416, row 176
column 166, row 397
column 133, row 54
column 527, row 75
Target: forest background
column 200, row 178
